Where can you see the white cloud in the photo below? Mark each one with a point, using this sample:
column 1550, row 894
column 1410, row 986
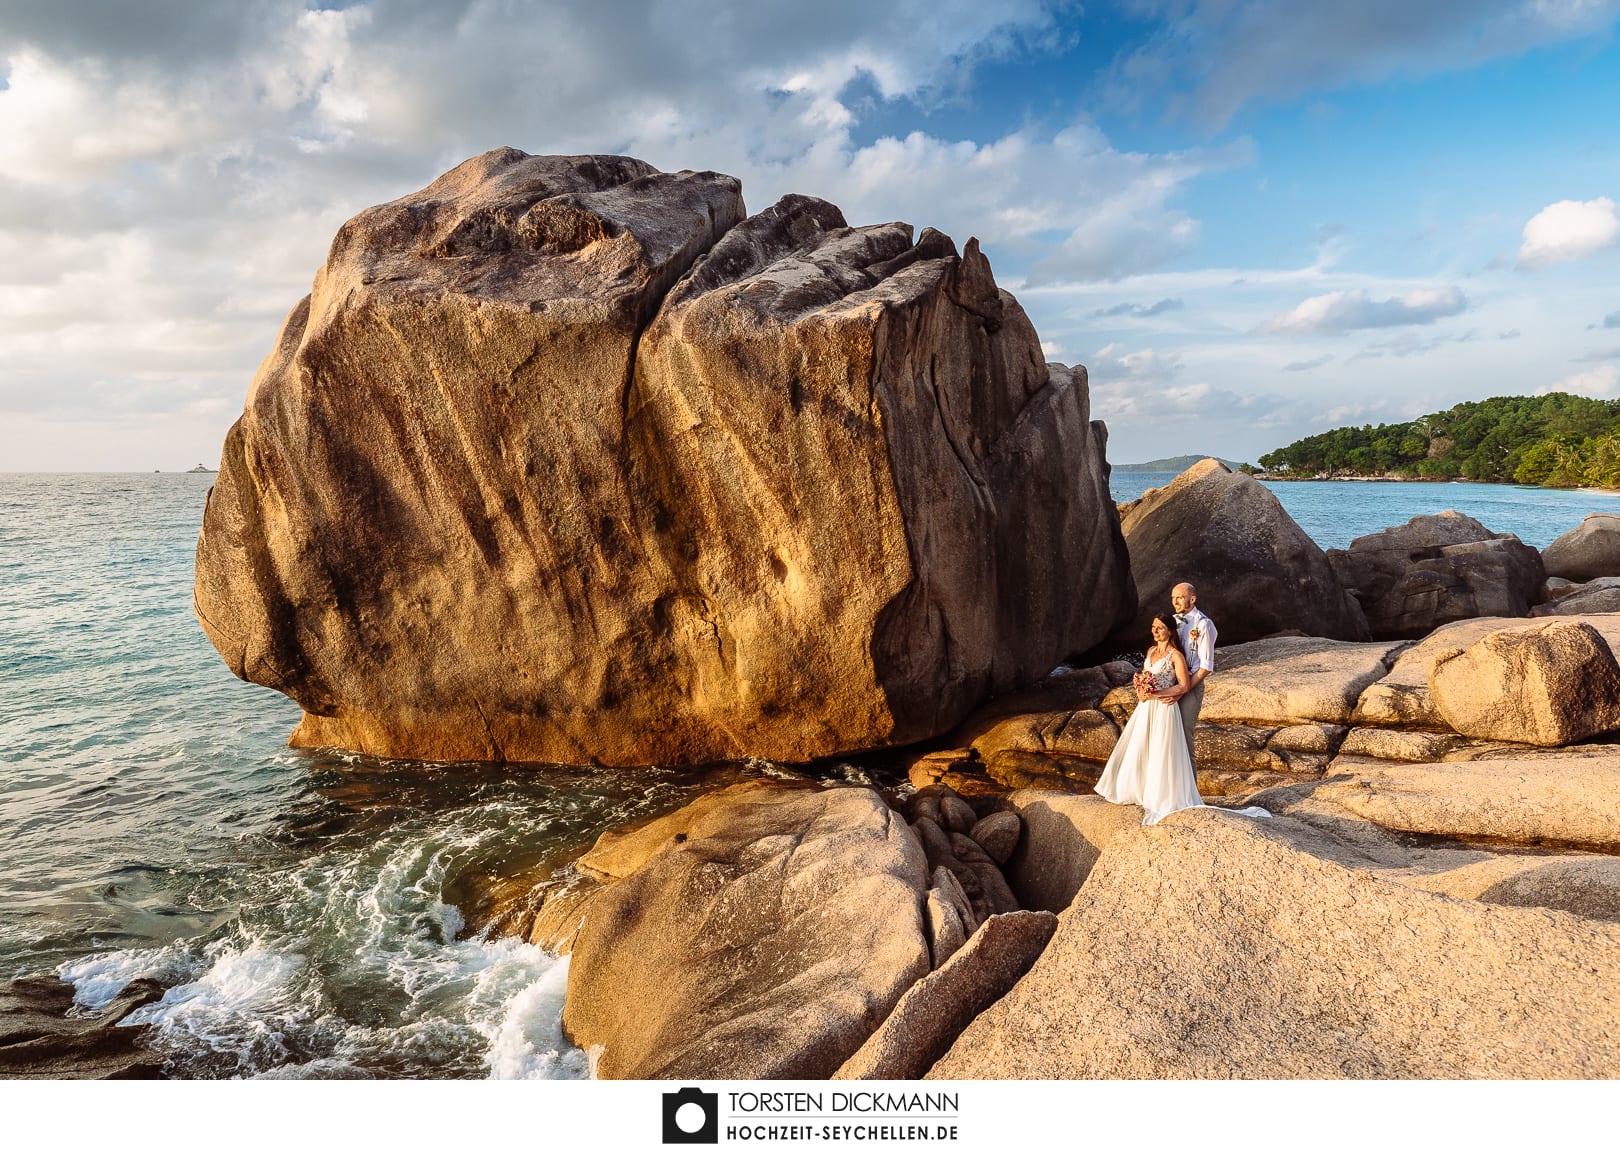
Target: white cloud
column 1601, row 383
column 1569, row 230
column 1348, row 311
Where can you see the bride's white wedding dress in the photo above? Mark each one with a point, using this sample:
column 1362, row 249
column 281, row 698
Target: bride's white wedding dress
column 1150, row 765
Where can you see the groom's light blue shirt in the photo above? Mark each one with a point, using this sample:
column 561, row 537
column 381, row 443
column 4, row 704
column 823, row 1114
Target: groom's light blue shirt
column 1197, row 632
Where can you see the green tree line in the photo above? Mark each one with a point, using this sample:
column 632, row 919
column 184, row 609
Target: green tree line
column 1556, row 440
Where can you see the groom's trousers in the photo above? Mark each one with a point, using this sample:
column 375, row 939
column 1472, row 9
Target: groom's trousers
column 1190, row 705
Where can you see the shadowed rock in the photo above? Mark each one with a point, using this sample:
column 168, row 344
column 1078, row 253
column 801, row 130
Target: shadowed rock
column 1256, row 570
column 933, row 1013
column 564, row 459
column 39, row 1039
column 1435, row 569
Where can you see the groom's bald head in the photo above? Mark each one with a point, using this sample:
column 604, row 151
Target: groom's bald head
column 1183, row 596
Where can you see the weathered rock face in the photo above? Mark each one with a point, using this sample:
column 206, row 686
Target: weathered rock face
column 41, row 1037
column 1548, row 685
column 1601, row 595
column 564, row 459
column 1292, row 680
column 1587, row 552
column 933, row 1013
column 760, row 933
column 1434, row 570
column 1256, row 571
column 1214, row 946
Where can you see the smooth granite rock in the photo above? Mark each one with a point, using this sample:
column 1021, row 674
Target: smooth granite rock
column 1435, row 569
column 567, row 459
column 1548, row 685
column 1214, row 946
column 1256, row 571
column 768, row 938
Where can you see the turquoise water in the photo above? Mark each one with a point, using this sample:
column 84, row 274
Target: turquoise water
column 1335, row 512
column 309, row 911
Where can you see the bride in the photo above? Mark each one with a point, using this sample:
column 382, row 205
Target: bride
column 1150, row 764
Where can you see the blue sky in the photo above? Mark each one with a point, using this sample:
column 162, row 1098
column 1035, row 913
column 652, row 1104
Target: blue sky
column 1250, row 220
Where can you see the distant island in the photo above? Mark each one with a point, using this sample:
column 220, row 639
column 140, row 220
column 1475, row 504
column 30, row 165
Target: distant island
column 1173, row 464
column 1557, row 440
column 200, row 469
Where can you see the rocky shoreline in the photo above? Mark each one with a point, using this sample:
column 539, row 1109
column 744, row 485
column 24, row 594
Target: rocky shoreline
column 1446, row 815
column 569, row 459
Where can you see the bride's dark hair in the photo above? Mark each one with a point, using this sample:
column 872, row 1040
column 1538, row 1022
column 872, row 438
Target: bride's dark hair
column 1175, row 635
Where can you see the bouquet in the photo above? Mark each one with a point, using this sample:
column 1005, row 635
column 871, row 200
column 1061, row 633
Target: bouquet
column 1146, row 683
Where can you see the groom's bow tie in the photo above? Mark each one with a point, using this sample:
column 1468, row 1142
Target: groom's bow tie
column 1181, row 617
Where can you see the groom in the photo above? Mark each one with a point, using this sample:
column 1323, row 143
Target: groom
column 1197, row 632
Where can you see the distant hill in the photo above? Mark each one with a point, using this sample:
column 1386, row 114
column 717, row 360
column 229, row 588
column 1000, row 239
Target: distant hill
column 1173, row 464
column 1557, row 440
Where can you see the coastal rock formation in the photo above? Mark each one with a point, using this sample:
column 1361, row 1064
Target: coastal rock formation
column 1256, row 570
column 933, row 1013
column 565, row 459
column 761, row 932
column 1570, row 800
column 1292, row 680
column 1435, row 569
column 1601, row 595
column 42, row 1037
column 1213, row 946
column 1587, row 552
column 1548, row 685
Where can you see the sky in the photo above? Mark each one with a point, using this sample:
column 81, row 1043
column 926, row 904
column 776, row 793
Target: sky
column 1251, row 220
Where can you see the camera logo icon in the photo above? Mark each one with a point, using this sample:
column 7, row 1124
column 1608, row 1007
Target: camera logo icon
column 691, row 1116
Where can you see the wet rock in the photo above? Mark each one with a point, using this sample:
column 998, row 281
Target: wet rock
column 42, row 1037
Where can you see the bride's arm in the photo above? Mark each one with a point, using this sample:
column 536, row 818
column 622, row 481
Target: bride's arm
column 1179, row 662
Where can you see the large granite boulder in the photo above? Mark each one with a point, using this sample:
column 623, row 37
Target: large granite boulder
column 758, row 933
column 1548, row 685
column 1435, row 569
column 1214, row 946
column 1256, row 571
column 1587, row 552
column 564, row 459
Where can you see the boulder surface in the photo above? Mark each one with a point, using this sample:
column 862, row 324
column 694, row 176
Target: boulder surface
column 762, row 933
column 1435, row 569
column 567, row 459
column 1547, row 685
column 1213, row 946
column 1587, row 552
column 1256, row 571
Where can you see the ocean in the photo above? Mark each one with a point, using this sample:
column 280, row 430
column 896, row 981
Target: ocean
column 309, row 912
